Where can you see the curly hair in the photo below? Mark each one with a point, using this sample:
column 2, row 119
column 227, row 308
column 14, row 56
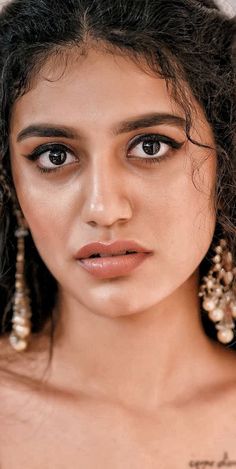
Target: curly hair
column 186, row 41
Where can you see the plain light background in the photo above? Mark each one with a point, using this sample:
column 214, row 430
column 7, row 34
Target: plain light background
column 233, row 3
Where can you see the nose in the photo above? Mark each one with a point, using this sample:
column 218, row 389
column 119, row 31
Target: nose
column 106, row 195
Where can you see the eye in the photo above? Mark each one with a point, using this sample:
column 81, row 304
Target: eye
column 155, row 145
column 52, row 157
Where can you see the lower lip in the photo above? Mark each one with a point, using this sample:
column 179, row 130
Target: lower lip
column 108, row 267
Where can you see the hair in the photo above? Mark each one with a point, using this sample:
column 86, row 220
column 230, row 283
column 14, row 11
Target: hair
column 186, row 41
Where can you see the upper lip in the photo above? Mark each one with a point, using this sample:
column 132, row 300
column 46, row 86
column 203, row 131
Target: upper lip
column 111, row 248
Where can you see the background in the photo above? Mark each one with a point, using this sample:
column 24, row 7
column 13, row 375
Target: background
column 228, row 5
column 233, row 2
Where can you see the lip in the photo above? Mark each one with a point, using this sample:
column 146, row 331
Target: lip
column 109, row 248
column 112, row 266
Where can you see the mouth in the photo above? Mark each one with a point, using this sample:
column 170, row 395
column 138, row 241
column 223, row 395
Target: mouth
column 124, row 249
column 123, row 253
column 111, row 265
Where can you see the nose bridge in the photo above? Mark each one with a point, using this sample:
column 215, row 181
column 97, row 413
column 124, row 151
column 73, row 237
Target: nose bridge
column 105, row 193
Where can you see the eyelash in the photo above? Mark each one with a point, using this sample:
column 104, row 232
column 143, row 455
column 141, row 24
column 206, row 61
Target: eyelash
column 155, row 138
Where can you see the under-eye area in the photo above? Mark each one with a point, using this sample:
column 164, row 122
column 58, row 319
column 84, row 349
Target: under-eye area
column 54, row 156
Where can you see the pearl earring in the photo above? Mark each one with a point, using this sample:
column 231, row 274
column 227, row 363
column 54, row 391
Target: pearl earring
column 219, row 295
column 21, row 324
column 21, row 327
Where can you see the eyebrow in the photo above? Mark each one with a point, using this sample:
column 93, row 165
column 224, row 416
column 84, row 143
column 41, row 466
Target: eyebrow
column 146, row 120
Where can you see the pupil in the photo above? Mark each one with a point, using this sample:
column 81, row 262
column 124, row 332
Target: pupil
column 57, row 156
column 151, row 147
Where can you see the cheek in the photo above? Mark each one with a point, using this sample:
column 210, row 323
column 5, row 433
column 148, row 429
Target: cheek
column 185, row 217
column 46, row 216
column 170, row 214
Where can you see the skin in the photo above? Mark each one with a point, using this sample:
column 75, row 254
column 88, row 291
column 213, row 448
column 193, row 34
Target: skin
column 130, row 350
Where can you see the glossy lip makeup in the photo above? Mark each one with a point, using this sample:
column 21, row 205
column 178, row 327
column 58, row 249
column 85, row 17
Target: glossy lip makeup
column 118, row 258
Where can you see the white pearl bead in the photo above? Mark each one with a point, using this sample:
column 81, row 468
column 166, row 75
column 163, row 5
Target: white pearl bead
column 21, row 321
column 216, row 315
column 18, row 344
column 216, row 259
column 209, row 304
column 210, row 283
column 22, row 331
column 228, row 277
column 225, row 336
column 218, row 291
column 25, row 313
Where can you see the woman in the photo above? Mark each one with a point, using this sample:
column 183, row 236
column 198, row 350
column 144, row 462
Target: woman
column 117, row 234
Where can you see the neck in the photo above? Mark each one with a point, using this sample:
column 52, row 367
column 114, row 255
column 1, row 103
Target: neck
column 140, row 359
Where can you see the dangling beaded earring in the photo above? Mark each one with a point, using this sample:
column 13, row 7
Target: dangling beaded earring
column 218, row 293
column 21, row 320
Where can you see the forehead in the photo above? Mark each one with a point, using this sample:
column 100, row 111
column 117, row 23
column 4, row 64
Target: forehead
column 95, row 90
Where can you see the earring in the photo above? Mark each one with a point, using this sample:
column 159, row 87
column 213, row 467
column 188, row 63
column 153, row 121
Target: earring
column 21, row 303
column 218, row 293
column 21, row 320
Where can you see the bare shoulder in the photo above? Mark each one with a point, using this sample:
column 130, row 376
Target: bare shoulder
column 226, row 358
column 229, row 381
column 223, row 381
column 22, row 370
column 215, row 398
column 23, row 400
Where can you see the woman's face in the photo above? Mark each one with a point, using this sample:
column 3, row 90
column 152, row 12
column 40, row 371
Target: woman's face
column 105, row 187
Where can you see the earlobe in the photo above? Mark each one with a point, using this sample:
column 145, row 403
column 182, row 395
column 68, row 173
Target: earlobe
column 21, row 219
column 22, row 222
column 26, row 225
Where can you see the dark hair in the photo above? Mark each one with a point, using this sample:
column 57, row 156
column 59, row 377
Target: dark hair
column 183, row 40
